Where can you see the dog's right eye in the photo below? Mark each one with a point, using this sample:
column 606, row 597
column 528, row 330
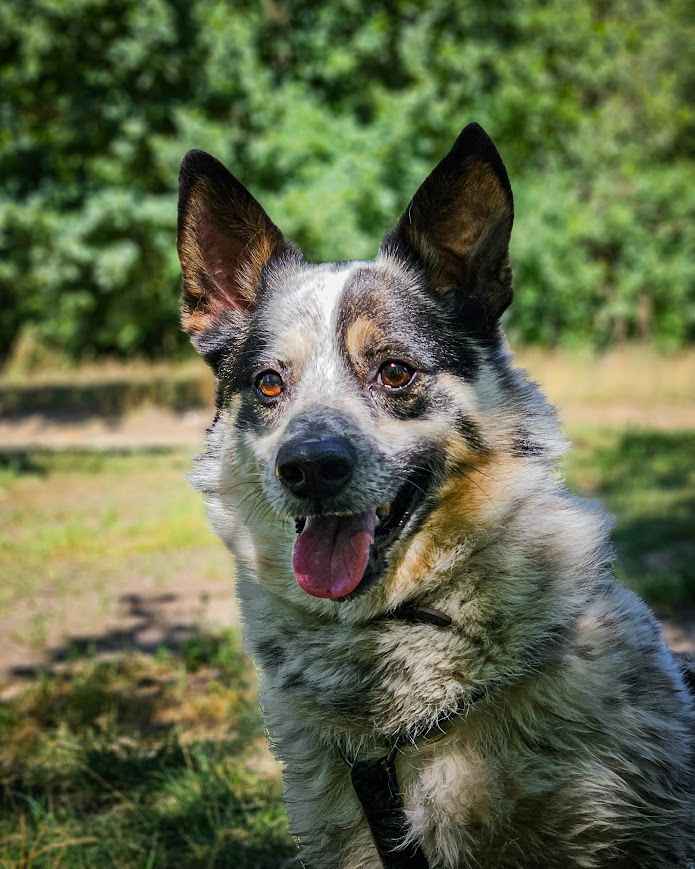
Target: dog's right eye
column 395, row 375
column 269, row 384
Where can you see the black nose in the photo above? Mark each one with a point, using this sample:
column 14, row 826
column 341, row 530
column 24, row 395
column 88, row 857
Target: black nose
column 315, row 467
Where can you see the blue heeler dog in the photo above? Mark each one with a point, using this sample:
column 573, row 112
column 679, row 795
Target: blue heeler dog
column 450, row 674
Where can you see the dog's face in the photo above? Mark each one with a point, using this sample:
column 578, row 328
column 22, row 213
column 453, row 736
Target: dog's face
column 361, row 395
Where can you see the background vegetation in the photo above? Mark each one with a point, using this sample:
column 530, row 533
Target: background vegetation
column 332, row 113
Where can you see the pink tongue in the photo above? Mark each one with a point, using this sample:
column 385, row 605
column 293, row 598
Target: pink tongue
column 331, row 554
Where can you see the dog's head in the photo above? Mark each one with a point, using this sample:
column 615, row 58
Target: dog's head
column 361, row 400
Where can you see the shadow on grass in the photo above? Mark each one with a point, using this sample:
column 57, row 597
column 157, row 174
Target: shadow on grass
column 18, row 462
column 149, row 632
column 151, row 758
column 647, row 479
column 648, row 460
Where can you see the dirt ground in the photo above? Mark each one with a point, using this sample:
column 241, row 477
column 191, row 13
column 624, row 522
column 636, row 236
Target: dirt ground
column 147, row 427
column 48, row 634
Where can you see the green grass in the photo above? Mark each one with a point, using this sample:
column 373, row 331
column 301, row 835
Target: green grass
column 159, row 759
column 647, row 480
column 142, row 761
column 85, row 517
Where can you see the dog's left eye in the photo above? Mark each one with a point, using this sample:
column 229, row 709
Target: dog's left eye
column 269, row 384
column 395, row 375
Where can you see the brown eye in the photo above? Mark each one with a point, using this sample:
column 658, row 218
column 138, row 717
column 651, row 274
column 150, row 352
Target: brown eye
column 395, row 375
column 269, row 384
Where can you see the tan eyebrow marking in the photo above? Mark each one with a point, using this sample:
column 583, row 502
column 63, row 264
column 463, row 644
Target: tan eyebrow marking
column 361, row 333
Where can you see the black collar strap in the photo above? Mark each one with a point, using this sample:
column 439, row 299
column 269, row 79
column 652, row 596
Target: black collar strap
column 376, row 785
column 410, row 612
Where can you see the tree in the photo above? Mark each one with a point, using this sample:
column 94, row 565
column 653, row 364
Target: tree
column 332, row 114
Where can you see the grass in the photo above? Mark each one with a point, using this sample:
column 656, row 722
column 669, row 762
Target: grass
column 647, row 480
column 142, row 761
column 76, row 517
column 153, row 754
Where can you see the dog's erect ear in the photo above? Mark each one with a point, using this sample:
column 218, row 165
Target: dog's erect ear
column 458, row 225
column 224, row 240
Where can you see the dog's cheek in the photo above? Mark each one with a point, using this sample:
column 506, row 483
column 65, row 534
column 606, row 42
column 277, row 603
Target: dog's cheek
column 262, row 449
column 258, row 418
column 475, row 492
column 453, row 447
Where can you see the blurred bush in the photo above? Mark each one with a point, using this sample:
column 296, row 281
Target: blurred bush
column 332, row 114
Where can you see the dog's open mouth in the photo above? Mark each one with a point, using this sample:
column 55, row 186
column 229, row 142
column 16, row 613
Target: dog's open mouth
column 335, row 554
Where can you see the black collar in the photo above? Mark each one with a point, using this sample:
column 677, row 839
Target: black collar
column 419, row 615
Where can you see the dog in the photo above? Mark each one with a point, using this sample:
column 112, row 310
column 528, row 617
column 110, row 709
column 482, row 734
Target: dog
column 449, row 672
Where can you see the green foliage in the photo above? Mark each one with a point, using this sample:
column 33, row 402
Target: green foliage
column 332, row 114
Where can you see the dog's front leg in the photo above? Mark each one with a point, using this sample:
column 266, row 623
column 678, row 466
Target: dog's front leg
column 325, row 815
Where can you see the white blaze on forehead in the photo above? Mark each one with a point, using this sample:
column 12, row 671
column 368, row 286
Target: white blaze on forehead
column 301, row 322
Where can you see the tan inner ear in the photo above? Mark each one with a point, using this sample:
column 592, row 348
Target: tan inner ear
column 223, row 248
column 194, row 321
column 480, row 202
column 469, row 205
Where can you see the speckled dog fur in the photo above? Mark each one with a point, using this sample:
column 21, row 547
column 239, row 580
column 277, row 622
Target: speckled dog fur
column 572, row 736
